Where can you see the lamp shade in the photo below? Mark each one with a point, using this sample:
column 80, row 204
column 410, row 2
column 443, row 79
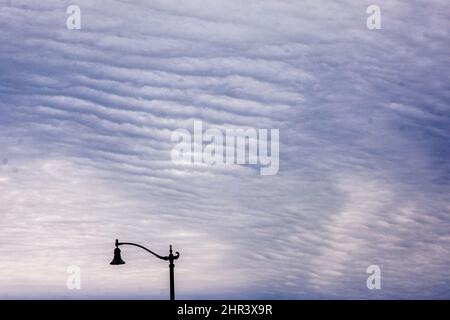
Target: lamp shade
column 117, row 258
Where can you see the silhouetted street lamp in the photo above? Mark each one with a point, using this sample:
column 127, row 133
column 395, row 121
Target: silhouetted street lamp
column 117, row 260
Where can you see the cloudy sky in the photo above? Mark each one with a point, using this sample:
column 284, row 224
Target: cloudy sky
column 86, row 118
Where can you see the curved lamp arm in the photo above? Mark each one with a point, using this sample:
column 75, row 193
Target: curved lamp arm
column 171, row 256
column 142, row 247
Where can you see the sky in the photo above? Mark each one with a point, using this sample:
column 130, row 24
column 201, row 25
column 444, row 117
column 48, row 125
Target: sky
column 86, row 118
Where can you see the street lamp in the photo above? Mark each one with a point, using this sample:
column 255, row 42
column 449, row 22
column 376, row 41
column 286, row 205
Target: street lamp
column 117, row 260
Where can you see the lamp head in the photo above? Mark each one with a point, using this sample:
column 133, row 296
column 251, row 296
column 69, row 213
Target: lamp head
column 117, row 260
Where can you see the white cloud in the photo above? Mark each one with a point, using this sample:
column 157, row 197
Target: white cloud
column 85, row 123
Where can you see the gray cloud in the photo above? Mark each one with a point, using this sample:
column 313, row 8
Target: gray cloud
column 85, row 123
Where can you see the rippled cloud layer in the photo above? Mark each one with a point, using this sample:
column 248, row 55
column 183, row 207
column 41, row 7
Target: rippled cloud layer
column 86, row 118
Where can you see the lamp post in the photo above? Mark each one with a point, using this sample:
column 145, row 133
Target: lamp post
column 117, row 260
